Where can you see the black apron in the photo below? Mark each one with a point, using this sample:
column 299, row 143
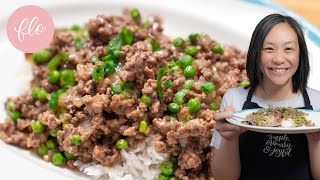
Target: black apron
column 274, row 156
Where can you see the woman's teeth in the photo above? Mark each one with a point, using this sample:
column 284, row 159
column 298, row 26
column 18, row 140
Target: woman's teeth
column 278, row 70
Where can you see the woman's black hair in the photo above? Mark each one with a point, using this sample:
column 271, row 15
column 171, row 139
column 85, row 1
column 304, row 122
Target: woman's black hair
column 300, row 78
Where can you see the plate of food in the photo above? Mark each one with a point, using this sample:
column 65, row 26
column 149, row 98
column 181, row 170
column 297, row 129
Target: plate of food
column 137, row 108
column 280, row 120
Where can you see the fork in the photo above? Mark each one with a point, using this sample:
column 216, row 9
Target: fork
column 251, row 122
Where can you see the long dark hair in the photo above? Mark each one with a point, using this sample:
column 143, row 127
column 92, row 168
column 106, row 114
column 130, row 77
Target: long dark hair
column 300, row 78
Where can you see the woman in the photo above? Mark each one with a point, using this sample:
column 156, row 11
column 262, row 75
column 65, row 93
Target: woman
column 278, row 70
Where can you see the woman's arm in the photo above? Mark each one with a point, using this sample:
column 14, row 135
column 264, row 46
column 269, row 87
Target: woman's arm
column 314, row 154
column 226, row 162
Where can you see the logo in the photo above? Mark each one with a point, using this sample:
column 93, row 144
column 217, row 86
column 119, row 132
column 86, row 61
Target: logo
column 30, row 29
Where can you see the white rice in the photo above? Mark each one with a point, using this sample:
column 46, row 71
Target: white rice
column 141, row 163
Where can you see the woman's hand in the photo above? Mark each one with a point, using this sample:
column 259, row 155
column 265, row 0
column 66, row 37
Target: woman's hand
column 313, row 137
column 227, row 131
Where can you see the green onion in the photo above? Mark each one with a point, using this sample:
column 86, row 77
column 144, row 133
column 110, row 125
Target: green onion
column 178, row 42
column 207, row 87
column 54, row 62
column 189, row 71
column 54, row 76
column 168, row 84
column 76, row 140
column 68, row 155
column 122, row 144
column 154, row 44
column 167, row 167
column 143, row 126
column 67, row 78
column 37, row 127
column 188, row 84
column 135, row 14
column 217, row 49
column 126, row 85
column 194, row 105
column 15, row 115
column 51, row 144
column 179, row 96
column 42, row 150
column 53, row 132
column 116, row 89
column 58, row 159
column 214, row 106
column 159, row 87
column 94, row 59
column 110, row 67
column 173, row 107
column 185, row 61
column 191, row 50
column 145, row 100
column 193, row 37
column 126, row 37
column 98, row 73
column 78, row 43
column 41, row 56
column 10, row 106
column 244, row 83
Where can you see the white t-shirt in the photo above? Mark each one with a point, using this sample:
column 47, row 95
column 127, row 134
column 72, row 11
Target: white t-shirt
column 236, row 97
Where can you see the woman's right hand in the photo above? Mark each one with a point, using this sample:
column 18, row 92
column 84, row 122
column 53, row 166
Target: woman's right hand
column 227, row 131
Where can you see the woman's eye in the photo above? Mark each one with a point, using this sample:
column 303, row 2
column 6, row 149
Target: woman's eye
column 268, row 49
column 289, row 49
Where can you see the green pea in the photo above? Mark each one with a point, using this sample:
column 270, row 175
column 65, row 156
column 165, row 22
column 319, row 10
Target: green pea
column 58, row 159
column 68, row 155
column 15, row 115
column 185, row 61
column 217, row 49
column 37, row 127
column 76, row 140
column 67, row 78
column 116, row 89
column 51, row 144
column 135, row 14
column 207, row 87
column 194, row 105
column 193, row 37
column 167, row 167
column 173, row 107
column 143, row 126
column 126, row 85
column 168, row 84
column 75, row 27
column 145, row 100
column 189, row 71
column 42, row 150
column 191, row 50
column 10, row 106
column 85, row 34
column 244, row 83
column 42, row 95
column 54, row 76
column 122, row 144
column 35, row 91
column 214, row 106
column 163, row 176
column 41, row 57
column 178, row 42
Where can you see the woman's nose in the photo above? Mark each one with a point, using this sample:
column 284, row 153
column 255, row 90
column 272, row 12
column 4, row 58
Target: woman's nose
column 279, row 57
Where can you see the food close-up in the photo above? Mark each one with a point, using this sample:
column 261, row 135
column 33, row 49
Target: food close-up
column 116, row 90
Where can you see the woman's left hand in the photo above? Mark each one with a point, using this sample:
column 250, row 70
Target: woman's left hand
column 313, row 136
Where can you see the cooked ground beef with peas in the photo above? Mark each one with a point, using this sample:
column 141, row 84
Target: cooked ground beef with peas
column 113, row 82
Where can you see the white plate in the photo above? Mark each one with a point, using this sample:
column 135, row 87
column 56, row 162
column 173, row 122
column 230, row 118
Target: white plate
column 313, row 115
column 227, row 21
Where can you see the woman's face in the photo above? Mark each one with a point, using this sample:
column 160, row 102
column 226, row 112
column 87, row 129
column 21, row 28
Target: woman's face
column 279, row 55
